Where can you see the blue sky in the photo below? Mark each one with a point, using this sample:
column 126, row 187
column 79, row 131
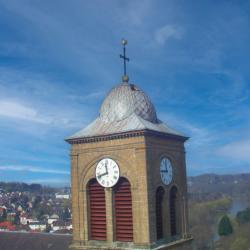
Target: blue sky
column 58, row 59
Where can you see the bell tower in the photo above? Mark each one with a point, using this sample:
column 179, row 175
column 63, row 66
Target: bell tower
column 128, row 177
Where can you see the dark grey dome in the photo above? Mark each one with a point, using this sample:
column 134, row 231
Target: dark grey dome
column 124, row 100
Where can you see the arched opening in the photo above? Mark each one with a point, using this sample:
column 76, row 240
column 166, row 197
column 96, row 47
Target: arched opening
column 158, row 210
column 123, row 211
column 97, row 210
column 173, row 212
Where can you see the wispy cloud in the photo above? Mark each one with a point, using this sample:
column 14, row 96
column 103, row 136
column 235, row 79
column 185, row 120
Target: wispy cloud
column 238, row 150
column 231, row 89
column 14, row 109
column 52, row 118
column 167, row 32
column 41, row 100
column 92, row 96
column 34, row 170
column 199, row 135
column 50, row 181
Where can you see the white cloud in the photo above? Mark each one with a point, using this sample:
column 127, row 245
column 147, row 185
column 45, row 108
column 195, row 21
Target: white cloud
column 239, row 150
column 34, row 100
column 14, row 109
column 87, row 97
column 33, row 170
column 51, row 117
column 198, row 135
column 163, row 34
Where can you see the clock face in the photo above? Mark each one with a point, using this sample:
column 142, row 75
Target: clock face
column 166, row 171
column 107, row 172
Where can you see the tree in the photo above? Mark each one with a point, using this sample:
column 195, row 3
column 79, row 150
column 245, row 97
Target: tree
column 66, row 214
column 37, row 201
column 3, row 217
column 48, row 228
column 17, row 218
column 225, row 226
column 243, row 216
column 24, row 201
column 35, row 188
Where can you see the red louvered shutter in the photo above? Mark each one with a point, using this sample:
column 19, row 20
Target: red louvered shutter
column 97, row 211
column 123, row 211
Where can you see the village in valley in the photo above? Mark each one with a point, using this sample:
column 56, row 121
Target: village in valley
column 34, row 208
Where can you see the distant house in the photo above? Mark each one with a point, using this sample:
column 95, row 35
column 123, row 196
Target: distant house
column 46, row 216
column 30, row 205
column 23, row 218
column 62, row 196
column 2, row 208
column 6, row 225
column 20, row 209
column 10, row 215
column 60, row 225
column 53, row 218
column 37, row 226
column 30, row 220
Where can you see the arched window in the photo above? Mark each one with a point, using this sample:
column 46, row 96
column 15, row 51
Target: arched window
column 123, row 211
column 97, row 210
column 158, row 210
column 172, row 208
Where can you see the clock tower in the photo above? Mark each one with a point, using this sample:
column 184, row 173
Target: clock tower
column 128, row 177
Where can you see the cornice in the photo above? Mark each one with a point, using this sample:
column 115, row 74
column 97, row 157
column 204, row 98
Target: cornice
column 129, row 134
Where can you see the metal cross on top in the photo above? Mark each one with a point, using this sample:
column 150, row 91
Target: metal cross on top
column 125, row 59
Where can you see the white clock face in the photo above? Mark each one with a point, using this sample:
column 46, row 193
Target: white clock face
column 166, row 171
column 107, row 172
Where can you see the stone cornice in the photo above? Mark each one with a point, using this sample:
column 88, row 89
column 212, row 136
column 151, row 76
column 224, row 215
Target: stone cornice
column 128, row 134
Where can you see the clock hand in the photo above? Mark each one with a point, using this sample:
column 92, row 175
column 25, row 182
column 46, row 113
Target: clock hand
column 167, row 169
column 101, row 175
column 106, row 167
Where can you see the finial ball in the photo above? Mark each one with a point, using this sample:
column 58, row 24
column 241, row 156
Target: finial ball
column 125, row 78
column 124, row 42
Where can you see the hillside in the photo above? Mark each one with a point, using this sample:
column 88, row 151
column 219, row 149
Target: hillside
column 210, row 197
column 211, row 186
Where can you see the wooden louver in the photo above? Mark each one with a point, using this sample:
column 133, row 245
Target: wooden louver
column 172, row 204
column 123, row 211
column 97, row 211
column 158, row 208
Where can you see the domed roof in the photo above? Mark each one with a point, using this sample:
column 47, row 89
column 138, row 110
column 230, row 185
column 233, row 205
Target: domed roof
column 124, row 100
column 125, row 109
